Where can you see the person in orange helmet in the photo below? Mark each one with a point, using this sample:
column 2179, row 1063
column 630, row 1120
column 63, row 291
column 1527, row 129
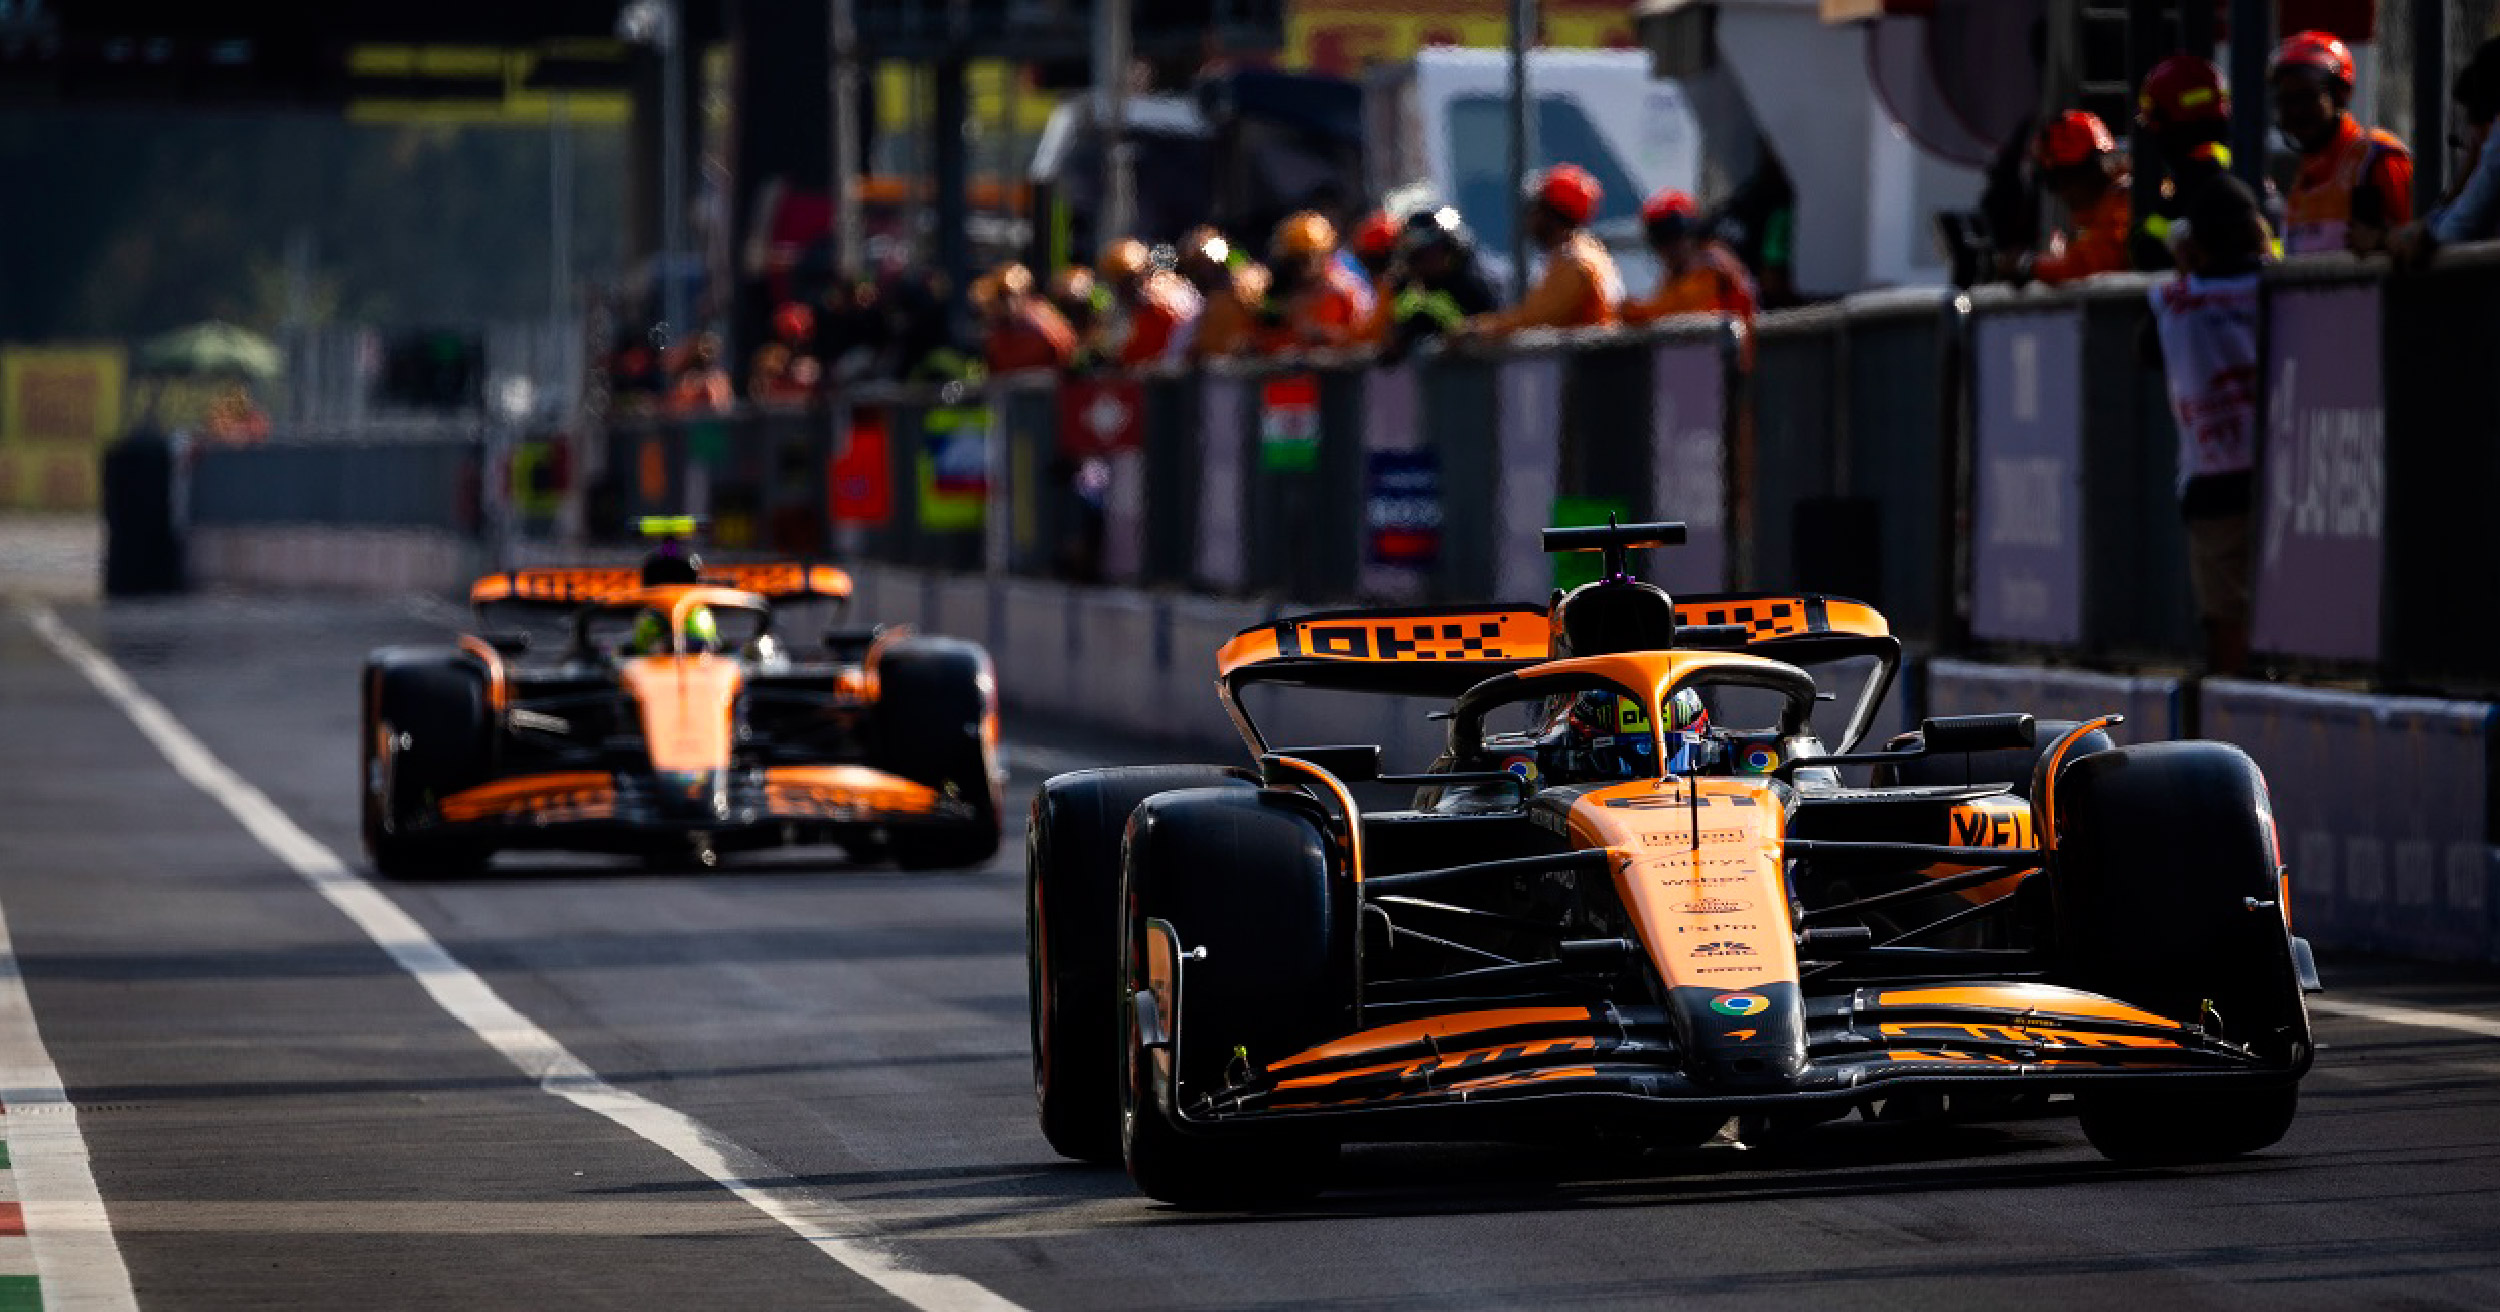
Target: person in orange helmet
column 1150, row 304
column 1020, row 330
column 1313, row 299
column 1580, row 287
column 1233, row 288
column 1697, row 274
column 2354, row 183
column 2078, row 162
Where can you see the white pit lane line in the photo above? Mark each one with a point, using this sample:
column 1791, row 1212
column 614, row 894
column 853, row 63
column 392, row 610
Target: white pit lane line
column 2416, row 1017
column 832, row 1228
column 77, row 1262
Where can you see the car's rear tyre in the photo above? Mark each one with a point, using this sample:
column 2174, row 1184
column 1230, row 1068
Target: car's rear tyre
column 1249, row 883
column 2010, row 765
column 428, row 733
column 1072, row 943
column 2168, row 896
column 936, row 723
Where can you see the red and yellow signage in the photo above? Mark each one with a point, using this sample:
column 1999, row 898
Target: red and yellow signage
column 1343, row 37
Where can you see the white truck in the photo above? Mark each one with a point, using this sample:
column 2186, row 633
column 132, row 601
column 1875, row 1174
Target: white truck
column 1437, row 131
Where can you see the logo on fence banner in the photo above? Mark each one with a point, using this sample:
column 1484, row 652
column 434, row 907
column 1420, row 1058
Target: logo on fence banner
column 862, row 490
column 1402, row 508
column 1289, row 424
column 1100, row 416
column 2321, row 518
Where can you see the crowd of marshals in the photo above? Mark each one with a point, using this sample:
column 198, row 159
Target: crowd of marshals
column 1391, row 284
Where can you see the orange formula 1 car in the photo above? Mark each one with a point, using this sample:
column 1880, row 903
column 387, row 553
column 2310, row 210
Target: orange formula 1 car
column 1638, row 895
column 676, row 724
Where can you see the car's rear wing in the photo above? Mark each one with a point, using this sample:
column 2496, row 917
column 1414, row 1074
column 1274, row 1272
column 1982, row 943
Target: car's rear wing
column 1444, row 651
column 777, row 580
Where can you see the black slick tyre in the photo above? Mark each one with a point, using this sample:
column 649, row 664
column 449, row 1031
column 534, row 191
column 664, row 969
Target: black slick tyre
column 428, row 733
column 2168, row 896
column 1249, row 885
column 935, row 723
column 1072, row 944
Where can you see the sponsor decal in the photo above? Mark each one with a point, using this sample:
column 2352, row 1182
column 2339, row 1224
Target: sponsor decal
column 1740, row 1004
column 1742, row 1034
column 1720, row 927
column 1714, row 906
column 1661, row 801
column 1761, row 760
column 1684, row 837
column 1986, row 826
column 1522, row 766
column 1723, row 948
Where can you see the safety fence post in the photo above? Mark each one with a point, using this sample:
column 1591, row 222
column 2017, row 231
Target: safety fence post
column 2442, row 343
column 1456, row 395
column 2137, row 605
column 1227, row 434
column 1167, row 407
column 1798, row 535
column 1526, row 495
column 1028, row 476
column 1687, row 431
column 1895, row 471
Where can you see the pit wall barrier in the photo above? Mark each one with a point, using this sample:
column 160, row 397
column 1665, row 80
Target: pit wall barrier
column 2383, row 803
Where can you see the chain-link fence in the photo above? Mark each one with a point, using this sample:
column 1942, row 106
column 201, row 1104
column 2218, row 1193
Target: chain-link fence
column 2389, row 102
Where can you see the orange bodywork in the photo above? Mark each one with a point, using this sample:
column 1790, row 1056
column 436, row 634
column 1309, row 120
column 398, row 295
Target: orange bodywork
column 844, row 789
column 771, row 579
column 1698, row 869
column 686, row 704
column 569, row 795
column 1522, row 633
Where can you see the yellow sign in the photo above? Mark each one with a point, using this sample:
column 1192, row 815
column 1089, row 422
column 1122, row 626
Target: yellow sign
column 48, row 476
column 61, row 394
column 1343, row 37
column 517, row 105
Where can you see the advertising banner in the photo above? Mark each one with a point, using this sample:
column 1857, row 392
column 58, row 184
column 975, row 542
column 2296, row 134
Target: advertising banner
column 954, row 467
column 1289, row 424
column 1402, row 496
column 861, row 491
column 1688, row 462
column 2027, row 472
column 61, row 395
column 1529, row 444
column 1101, row 416
column 2322, row 502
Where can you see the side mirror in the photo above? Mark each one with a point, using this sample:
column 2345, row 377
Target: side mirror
column 851, row 644
column 1977, row 733
column 1353, row 763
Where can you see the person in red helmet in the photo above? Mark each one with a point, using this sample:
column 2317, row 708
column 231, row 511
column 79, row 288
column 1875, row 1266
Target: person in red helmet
column 1375, row 247
column 2354, row 183
column 1579, row 287
column 2183, row 111
column 1697, row 273
column 2078, row 161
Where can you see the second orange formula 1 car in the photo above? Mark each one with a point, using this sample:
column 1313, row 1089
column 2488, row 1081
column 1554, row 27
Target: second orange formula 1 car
column 675, row 723
column 1639, row 893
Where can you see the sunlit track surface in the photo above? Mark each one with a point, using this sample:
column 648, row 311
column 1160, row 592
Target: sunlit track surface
column 278, row 1115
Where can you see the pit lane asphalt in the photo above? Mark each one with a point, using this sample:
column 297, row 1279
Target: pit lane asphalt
column 278, row 1116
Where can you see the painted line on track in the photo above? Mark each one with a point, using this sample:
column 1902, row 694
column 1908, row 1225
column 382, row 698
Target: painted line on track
column 2416, row 1017
column 77, row 1262
column 835, row 1229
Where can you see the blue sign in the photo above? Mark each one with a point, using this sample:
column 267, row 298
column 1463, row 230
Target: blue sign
column 1402, row 509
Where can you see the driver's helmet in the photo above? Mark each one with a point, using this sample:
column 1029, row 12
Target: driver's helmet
column 1597, row 737
column 702, row 632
